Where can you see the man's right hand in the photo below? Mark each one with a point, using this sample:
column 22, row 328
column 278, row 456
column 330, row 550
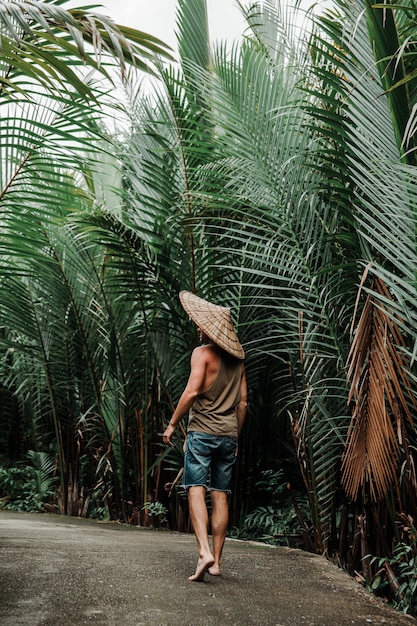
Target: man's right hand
column 169, row 431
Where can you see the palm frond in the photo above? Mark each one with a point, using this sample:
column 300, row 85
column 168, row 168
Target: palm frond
column 379, row 384
column 44, row 41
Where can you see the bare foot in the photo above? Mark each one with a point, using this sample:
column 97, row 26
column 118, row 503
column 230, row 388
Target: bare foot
column 202, row 566
column 214, row 570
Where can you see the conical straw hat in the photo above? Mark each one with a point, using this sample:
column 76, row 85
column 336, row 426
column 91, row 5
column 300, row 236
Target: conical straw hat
column 215, row 322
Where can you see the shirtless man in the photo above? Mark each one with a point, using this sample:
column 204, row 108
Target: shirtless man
column 216, row 398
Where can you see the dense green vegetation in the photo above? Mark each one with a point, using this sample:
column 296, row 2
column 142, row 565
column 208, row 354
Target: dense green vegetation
column 276, row 176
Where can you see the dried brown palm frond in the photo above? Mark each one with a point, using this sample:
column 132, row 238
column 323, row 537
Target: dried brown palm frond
column 381, row 405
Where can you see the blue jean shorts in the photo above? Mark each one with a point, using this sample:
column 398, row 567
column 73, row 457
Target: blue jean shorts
column 209, row 461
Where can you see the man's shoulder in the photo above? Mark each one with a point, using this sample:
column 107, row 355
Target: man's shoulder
column 207, row 351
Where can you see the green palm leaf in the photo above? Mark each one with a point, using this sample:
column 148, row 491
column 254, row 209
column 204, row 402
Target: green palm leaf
column 44, row 41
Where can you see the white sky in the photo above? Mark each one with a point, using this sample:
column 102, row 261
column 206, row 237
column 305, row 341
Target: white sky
column 158, row 17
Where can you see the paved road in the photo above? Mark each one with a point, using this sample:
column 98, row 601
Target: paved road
column 61, row 571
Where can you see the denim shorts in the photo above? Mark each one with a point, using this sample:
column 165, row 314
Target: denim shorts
column 209, row 461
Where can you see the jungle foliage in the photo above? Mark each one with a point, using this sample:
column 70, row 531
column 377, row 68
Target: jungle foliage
column 276, row 176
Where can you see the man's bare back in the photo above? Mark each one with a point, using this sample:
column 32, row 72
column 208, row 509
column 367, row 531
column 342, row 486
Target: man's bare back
column 212, row 359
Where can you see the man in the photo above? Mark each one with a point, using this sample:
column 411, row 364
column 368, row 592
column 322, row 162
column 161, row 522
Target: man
column 216, row 398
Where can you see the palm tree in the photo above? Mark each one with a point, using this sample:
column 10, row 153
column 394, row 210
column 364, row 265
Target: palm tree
column 289, row 202
column 215, row 180
column 370, row 77
column 51, row 102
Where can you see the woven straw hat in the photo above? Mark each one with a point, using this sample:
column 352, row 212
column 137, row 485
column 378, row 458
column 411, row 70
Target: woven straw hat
column 215, row 322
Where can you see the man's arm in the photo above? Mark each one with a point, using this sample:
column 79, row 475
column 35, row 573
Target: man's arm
column 243, row 404
column 193, row 388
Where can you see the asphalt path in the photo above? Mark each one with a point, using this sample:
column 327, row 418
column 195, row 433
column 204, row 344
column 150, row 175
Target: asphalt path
column 66, row 571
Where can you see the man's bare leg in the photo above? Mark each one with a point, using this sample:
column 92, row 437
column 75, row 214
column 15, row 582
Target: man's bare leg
column 219, row 525
column 199, row 520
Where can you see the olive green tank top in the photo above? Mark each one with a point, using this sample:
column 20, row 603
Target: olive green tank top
column 214, row 411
